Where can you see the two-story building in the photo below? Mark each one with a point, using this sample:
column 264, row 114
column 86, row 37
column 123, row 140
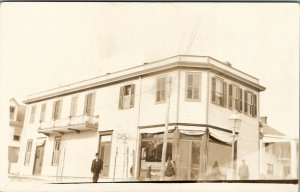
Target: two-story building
column 122, row 116
column 16, row 120
column 279, row 154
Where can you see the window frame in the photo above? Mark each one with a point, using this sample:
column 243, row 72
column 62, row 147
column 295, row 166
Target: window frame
column 160, row 90
column 28, row 152
column 233, row 100
column 223, row 101
column 32, row 114
column 249, row 106
column 57, row 108
column 187, row 86
column 43, row 112
column 131, row 96
column 74, row 106
column 56, row 153
column 90, row 102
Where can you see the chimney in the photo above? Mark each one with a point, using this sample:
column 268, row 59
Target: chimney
column 263, row 120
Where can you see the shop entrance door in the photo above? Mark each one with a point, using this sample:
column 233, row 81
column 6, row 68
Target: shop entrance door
column 105, row 149
column 189, row 159
column 38, row 161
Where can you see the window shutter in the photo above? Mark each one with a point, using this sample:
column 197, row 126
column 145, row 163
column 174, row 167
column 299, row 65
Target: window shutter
column 240, row 100
column 53, row 111
column 121, row 98
column 245, row 101
column 230, row 97
column 132, row 96
column 213, row 90
column 224, row 94
column 254, row 106
column 85, row 105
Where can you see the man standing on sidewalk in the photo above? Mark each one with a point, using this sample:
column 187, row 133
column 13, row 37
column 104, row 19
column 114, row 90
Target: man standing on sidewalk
column 96, row 169
column 244, row 171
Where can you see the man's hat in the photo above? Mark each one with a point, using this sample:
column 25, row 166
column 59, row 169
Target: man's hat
column 96, row 154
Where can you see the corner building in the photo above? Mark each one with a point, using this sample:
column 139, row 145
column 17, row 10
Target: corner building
column 122, row 116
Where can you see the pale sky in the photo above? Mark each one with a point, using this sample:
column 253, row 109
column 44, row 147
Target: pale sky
column 45, row 45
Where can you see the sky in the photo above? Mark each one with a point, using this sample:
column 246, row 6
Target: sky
column 46, row 45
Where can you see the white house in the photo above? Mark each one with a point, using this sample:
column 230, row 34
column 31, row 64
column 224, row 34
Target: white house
column 16, row 120
column 122, row 116
column 279, row 154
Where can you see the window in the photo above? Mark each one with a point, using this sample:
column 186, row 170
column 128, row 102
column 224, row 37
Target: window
column 89, row 104
column 28, row 152
column 16, row 134
column 126, row 99
column 193, row 86
column 56, row 109
column 152, row 147
column 235, row 98
column 56, row 151
column 270, row 169
column 161, row 89
column 73, row 106
column 43, row 111
column 11, row 112
column 250, row 104
column 32, row 116
column 219, row 92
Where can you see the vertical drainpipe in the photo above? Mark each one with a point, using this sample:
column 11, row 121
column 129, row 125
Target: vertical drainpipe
column 207, row 111
column 259, row 136
column 176, row 121
column 137, row 162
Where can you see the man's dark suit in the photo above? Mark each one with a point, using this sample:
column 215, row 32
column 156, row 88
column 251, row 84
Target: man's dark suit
column 97, row 167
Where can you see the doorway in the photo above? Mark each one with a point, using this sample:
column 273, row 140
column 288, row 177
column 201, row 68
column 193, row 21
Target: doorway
column 189, row 160
column 38, row 160
column 105, row 149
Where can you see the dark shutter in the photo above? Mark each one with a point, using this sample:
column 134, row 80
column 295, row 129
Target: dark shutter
column 132, row 95
column 224, row 98
column 245, row 101
column 213, row 90
column 54, row 111
column 254, row 106
column 240, row 100
column 92, row 105
column 230, row 97
column 121, row 98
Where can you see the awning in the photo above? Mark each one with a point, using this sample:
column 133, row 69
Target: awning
column 274, row 140
column 191, row 130
column 156, row 129
column 221, row 135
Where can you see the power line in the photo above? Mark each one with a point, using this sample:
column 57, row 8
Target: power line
column 194, row 32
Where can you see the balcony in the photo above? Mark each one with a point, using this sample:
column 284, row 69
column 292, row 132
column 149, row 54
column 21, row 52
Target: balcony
column 71, row 124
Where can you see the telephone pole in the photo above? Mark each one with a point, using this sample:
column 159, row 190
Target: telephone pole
column 165, row 140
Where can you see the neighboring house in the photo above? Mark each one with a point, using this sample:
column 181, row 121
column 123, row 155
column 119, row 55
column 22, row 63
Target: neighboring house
column 16, row 120
column 279, row 154
column 122, row 116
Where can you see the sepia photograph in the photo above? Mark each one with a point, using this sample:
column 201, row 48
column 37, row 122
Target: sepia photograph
column 149, row 96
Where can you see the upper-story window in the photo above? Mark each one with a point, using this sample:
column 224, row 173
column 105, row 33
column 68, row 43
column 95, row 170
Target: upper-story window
column 235, row 100
column 57, row 105
column 161, row 89
column 43, row 112
column 11, row 112
column 32, row 115
column 89, row 104
column 250, row 104
column 219, row 91
column 126, row 99
column 73, row 110
column 17, row 134
column 193, row 83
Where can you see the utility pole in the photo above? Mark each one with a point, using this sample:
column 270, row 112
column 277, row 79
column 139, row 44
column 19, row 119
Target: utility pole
column 165, row 140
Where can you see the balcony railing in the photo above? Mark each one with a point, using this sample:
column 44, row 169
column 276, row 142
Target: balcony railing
column 73, row 123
